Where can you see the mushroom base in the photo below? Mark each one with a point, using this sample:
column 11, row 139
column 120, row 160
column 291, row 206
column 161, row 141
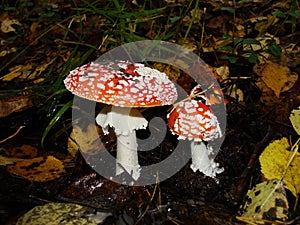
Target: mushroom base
column 202, row 161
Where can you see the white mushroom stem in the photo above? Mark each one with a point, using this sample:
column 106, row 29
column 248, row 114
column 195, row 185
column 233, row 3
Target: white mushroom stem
column 127, row 157
column 202, row 159
column 125, row 121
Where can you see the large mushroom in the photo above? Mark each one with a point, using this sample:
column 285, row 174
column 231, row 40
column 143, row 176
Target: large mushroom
column 124, row 86
column 195, row 120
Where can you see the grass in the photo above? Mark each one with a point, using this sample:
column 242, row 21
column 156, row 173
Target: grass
column 120, row 25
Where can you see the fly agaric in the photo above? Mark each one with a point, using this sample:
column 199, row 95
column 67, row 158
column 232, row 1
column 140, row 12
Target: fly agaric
column 194, row 120
column 125, row 86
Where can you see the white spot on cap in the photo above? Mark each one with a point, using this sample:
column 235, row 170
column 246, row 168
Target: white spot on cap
column 134, row 90
column 100, row 85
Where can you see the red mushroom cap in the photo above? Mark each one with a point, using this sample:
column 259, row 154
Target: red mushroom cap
column 122, row 83
column 193, row 119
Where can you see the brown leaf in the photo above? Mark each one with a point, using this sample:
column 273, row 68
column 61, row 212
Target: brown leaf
column 39, row 169
column 6, row 25
column 13, row 104
column 87, row 140
column 17, row 71
column 278, row 78
column 22, row 151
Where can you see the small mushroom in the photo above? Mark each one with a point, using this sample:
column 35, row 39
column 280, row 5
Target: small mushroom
column 124, row 86
column 195, row 120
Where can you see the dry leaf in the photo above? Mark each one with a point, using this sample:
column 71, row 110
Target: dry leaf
column 278, row 78
column 8, row 51
column 13, row 104
column 6, row 25
column 266, row 200
column 295, row 119
column 72, row 145
column 17, row 71
column 221, row 72
column 87, row 140
column 263, row 25
column 62, row 213
column 28, row 72
column 274, row 160
column 23, row 151
column 235, row 93
column 38, row 169
column 33, row 33
column 8, row 160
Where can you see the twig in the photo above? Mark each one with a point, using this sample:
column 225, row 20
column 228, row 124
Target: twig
column 151, row 199
column 243, row 182
column 11, row 136
column 191, row 97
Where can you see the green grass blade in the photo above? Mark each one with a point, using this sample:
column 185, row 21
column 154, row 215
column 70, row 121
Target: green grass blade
column 55, row 119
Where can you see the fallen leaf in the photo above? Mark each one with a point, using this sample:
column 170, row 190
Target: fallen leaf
column 13, row 104
column 22, row 151
column 222, row 72
column 274, row 160
column 17, row 71
column 8, row 160
column 87, row 140
column 8, row 51
column 72, row 145
column 38, row 169
column 28, row 72
column 33, row 33
column 235, row 93
column 62, row 213
column 295, row 119
column 263, row 25
column 7, row 25
column 267, row 200
column 278, row 78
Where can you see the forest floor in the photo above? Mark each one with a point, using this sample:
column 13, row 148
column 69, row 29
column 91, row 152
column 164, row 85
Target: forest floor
column 253, row 51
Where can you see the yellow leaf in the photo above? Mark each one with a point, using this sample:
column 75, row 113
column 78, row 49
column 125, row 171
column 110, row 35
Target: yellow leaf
column 267, row 201
column 17, row 71
column 8, row 160
column 38, row 169
column 274, row 160
column 61, row 213
column 295, row 119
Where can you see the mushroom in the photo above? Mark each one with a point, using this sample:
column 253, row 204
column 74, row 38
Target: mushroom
column 195, row 120
column 125, row 86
